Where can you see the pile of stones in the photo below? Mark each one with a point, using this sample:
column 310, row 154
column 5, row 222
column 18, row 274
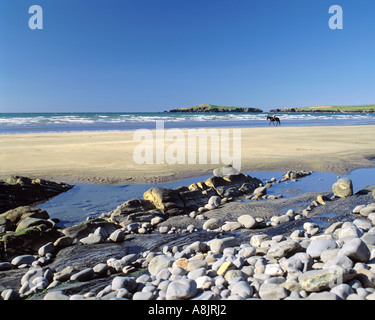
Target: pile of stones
column 336, row 263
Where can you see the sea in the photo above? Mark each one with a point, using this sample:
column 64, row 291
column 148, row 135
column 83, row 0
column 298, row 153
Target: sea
column 108, row 121
column 89, row 200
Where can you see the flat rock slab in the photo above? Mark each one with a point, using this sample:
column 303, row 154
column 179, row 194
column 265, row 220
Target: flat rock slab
column 87, row 256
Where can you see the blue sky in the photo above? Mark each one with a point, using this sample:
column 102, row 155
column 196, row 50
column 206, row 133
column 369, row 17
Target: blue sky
column 153, row 55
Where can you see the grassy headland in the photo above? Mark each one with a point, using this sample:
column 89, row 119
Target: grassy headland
column 356, row 108
column 215, row 108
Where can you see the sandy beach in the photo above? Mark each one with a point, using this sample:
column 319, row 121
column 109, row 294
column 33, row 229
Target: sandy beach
column 107, row 157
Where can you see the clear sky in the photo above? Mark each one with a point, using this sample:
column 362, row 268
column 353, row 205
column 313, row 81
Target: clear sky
column 153, row 55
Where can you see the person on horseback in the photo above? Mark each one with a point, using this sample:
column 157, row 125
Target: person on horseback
column 274, row 120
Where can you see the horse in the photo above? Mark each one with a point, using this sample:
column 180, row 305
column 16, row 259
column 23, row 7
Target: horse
column 273, row 120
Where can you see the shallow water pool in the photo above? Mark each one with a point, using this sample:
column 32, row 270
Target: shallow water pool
column 87, row 200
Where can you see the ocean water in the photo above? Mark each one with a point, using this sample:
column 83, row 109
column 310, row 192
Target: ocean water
column 87, row 200
column 66, row 122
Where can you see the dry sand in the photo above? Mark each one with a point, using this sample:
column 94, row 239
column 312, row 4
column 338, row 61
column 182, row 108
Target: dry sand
column 107, row 157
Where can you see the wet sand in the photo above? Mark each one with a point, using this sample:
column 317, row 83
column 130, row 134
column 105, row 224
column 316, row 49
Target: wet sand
column 107, row 157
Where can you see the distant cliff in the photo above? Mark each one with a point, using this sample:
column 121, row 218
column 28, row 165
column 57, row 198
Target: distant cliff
column 214, row 108
column 330, row 109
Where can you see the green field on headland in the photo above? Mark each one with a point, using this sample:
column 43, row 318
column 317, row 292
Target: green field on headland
column 359, row 108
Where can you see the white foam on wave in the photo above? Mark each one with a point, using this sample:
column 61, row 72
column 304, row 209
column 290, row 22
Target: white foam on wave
column 86, row 120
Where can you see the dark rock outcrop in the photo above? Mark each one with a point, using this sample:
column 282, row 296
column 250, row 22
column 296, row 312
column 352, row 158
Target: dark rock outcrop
column 21, row 191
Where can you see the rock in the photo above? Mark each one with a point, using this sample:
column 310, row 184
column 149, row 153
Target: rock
column 218, row 184
column 356, row 250
column 164, row 229
column 21, row 191
column 181, row 289
column 274, row 270
column 214, row 202
column 260, row 191
column 342, row 291
column 56, row 295
column 316, row 247
column 65, row 274
column 224, row 268
column 366, row 211
column 343, row 188
column 117, row 236
column 63, row 242
column 82, row 230
column 325, row 296
column 322, row 279
column 10, row 294
column 243, row 289
column 156, row 220
column 30, row 222
column 338, row 260
column 284, row 248
column 218, row 245
column 247, row 221
column 195, row 274
column 143, row 296
column 194, row 199
column 101, row 269
column 295, row 175
column 271, row 291
column 165, row 199
column 135, row 210
column 231, row 226
column 225, row 171
column 363, row 225
column 212, row 224
column 4, row 266
column 47, row 248
column 204, row 282
column 369, row 238
column 321, row 199
column 127, row 283
column 92, row 238
column 257, row 240
column 83, row 275
column 24, row 259
column 350, row 231
column 358, row 208
column 158, row 263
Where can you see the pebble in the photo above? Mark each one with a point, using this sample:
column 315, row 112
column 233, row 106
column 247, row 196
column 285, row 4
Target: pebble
column 26, row 259
column 83, row 275
column 158, row 263
column 270, row 291
column 212, row 224
column 247, row 221
column 56, row 295
column 181, row 289
column 218, row 245
column 316, row 248
column 356, row 250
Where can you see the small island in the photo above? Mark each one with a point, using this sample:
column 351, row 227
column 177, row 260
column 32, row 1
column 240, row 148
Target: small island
column 331, row 109
column 215, row 108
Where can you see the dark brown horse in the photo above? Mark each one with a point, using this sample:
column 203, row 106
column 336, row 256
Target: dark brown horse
column 274, row 120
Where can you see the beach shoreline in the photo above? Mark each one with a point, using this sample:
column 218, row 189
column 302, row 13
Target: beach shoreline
column 98, row 157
